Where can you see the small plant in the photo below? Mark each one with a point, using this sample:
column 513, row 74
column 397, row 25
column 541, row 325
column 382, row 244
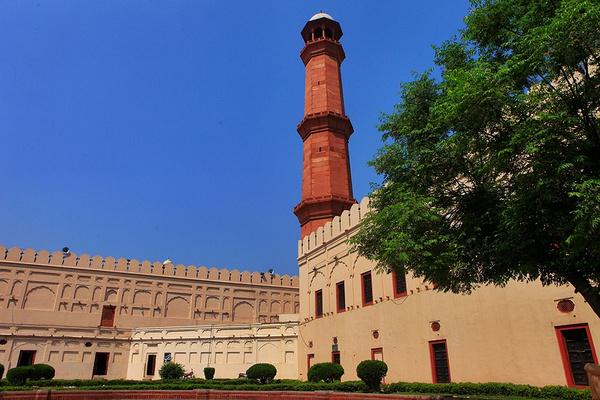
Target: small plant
column 262, row 372
column 19, row 375
column 209, row 373
column 171, row 370
column 327, row 372
column 371, row 372
column 1, row 371
column 43, row 371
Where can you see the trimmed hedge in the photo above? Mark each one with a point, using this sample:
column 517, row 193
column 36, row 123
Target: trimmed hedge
column 490, row 389
column 171, row 370
column 42, row 371
column 209, row 373
column 19, row 375
column 262, row 372
column 327, row 372
column 285, row 385
column 371, row 372
column 471, row 389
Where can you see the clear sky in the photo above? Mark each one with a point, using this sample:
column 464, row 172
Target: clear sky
column 153, row 129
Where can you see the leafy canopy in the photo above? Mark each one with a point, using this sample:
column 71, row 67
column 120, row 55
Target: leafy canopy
column 491, row 171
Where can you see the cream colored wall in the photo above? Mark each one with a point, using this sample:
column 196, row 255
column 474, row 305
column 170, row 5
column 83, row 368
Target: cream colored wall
column 53, row 304
column 43, row 288
column 64, row 348
column 230, row 349
column 495, row 334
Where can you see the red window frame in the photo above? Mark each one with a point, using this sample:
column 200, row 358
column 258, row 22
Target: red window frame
column 375, row 351
column 362, row 287
column 395, row 285
column 336, row 353
column 564, row 354
column 107, row 319
column 337, row 296
column 432, row 360
column 309, row 359
column 318, row 313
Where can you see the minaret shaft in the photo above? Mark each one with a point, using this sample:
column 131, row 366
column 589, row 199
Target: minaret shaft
column 325, row 129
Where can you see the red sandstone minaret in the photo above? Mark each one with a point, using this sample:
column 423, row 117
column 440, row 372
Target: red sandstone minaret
column 325, row 128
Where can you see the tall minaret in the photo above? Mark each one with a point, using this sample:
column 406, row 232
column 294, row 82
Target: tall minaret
column 325, row 128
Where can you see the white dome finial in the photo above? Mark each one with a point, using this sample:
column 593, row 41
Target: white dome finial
column 320, row 15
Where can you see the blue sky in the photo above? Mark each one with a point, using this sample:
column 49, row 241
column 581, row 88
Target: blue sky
column 152, row 129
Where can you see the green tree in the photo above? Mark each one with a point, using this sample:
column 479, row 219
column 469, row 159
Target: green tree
column 491, row 168
column 171, row 370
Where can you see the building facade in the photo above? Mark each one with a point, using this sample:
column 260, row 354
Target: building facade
column 350, row 312
column 79, row 313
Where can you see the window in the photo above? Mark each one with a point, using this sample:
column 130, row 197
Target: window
column 309, row 360
column 108, row 316
column 440, row 369
column 399, row 284
column 151, row 365
column 100, row 364
column 377, row 354
column 340, row 295
column 367, row 288
column 26, row 357
column 319, row 303
column 576, row 349
column 335, row 357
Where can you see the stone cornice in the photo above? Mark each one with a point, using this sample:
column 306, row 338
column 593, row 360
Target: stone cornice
column 327, row 121
column 321, row 207
column 322, row 46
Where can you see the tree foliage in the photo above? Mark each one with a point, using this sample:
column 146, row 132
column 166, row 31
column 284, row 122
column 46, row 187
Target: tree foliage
column 171, row 370
column 371, row 372
column 262, row 372
column 326, row 372
column 491, row 168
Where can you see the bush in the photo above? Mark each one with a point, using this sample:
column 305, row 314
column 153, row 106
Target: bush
column 327, row 372
column 490, row 389
column 263, row 372
column 1, row 371
column 209, row 373
column 43, row 371
column 19, row 375
column 371, row 372
column 171, row 370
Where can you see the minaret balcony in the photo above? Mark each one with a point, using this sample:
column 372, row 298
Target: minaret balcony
column 327, row 121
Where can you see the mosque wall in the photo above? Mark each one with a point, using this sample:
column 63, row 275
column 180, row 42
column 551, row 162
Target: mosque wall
column 52, row 304
column 511, row 334
column 230, row 349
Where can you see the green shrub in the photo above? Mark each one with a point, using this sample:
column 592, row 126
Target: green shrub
column 19, row 375
column 491, row 389
column 171, row 370
column 327, row 372
column 209, row 373
column 262, row 372
column 1, row 371
column 371, row 372
column 43, row 372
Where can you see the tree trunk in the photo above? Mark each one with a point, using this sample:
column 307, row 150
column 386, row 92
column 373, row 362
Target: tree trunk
column 590, row 293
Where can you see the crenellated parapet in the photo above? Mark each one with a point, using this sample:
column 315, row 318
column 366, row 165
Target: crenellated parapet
column 340, row 225
column 157, row 268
